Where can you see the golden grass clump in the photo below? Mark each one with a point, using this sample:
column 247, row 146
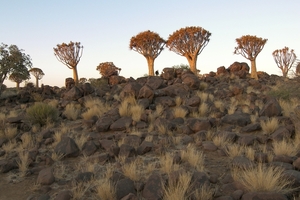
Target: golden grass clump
column 270, row 125
column 180, row 112
column 23, row 163
column 105, row 190
column 178, row 100
column 194, row 157
column 285, row 147
column 72, row 111
column 234, row 150
column 167, row 163
column 10, row 132
column 220, row 105
column 205, row 192
column 261, row 178
column 178, row 189
column 136, row 112
column 203, row 109
column 221, row 140
column 94, row 107
column 288, row 106
column 131, row 170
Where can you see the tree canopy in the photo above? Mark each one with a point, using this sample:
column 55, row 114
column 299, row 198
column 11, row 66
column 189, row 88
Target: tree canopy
column 13, row 60
column 284, row 59
column 69, row 55
column 107, row 69
column 38, row 74
column 189, row 42
column 249, row 47
column 19, row 76
column 150, row 45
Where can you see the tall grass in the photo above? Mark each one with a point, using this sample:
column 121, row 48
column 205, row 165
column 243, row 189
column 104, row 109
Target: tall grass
column 261, row 178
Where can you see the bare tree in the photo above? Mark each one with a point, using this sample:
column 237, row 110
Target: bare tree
column 69, row 55
column 189, row 42
column 284, row 59
column 38, row 74
column 107, row 69
column 249, row 47
column 150, row 45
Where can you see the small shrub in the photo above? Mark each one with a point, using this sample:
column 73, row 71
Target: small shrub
column 42, row 113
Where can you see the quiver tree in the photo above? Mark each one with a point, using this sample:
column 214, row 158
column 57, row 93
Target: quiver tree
column 189, row 42
column 19, row 77
column 69, row 55
column 150, row 45
column 12, row 60
column 284, row 59
column 249, row 47
column 108, row 69
column 38, row 74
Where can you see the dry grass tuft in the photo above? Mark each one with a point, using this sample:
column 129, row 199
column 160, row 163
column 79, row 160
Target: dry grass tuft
column 94, row 107
column 136, row 112
column 220, row 105
column 288, row 106
column 81, row 140
column 204, row 192
column 249, row 152
column 23, row 163
column 178, row 100
column 234, row 150
column 72, row 111
column 285, row 147
column 180, row 112
column 10, row 132
column 221, row 141
column 178, row 190
column 105, row 190
column 167, row 163
column 203, row 109
column 261, row 178
column 193, row 157
column 131, row 170
column 270, row 125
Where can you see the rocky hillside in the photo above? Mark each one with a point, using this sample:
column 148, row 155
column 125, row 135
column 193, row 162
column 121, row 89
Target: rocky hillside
column 173, row 136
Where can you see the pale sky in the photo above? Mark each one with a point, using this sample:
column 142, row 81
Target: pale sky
column 104, row 28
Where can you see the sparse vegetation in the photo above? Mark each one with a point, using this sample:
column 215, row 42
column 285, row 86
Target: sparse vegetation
column 270, row 125
column 41, row 113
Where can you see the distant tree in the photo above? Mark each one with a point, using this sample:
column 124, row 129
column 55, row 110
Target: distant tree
column 69, row 55
column 38, row 74
column 12, row 60
column 189, row 42
column 284, row 59
column 249, row 47
column 107, row 69
column 19, row 77
column 150, row 45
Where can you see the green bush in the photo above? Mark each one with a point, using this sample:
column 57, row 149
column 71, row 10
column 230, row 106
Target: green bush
column 42, row 113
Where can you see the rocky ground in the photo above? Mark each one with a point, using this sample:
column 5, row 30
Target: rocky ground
column 173, row 136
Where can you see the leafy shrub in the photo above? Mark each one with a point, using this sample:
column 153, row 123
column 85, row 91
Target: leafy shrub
column 42, row 113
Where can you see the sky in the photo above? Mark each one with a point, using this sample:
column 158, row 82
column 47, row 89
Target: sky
column 105, row 28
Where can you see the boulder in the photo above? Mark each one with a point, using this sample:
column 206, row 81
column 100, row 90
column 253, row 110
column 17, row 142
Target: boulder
column 271, row 108
column 46, row 176
column 67, row 147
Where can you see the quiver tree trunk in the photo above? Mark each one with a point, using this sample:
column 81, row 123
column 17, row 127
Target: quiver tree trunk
column 150, row 62
column 36, row 82
column 75, row 75
column 192, row 62
column 253, row 70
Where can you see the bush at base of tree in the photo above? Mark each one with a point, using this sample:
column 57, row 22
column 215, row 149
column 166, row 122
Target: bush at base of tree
column 42, row 113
